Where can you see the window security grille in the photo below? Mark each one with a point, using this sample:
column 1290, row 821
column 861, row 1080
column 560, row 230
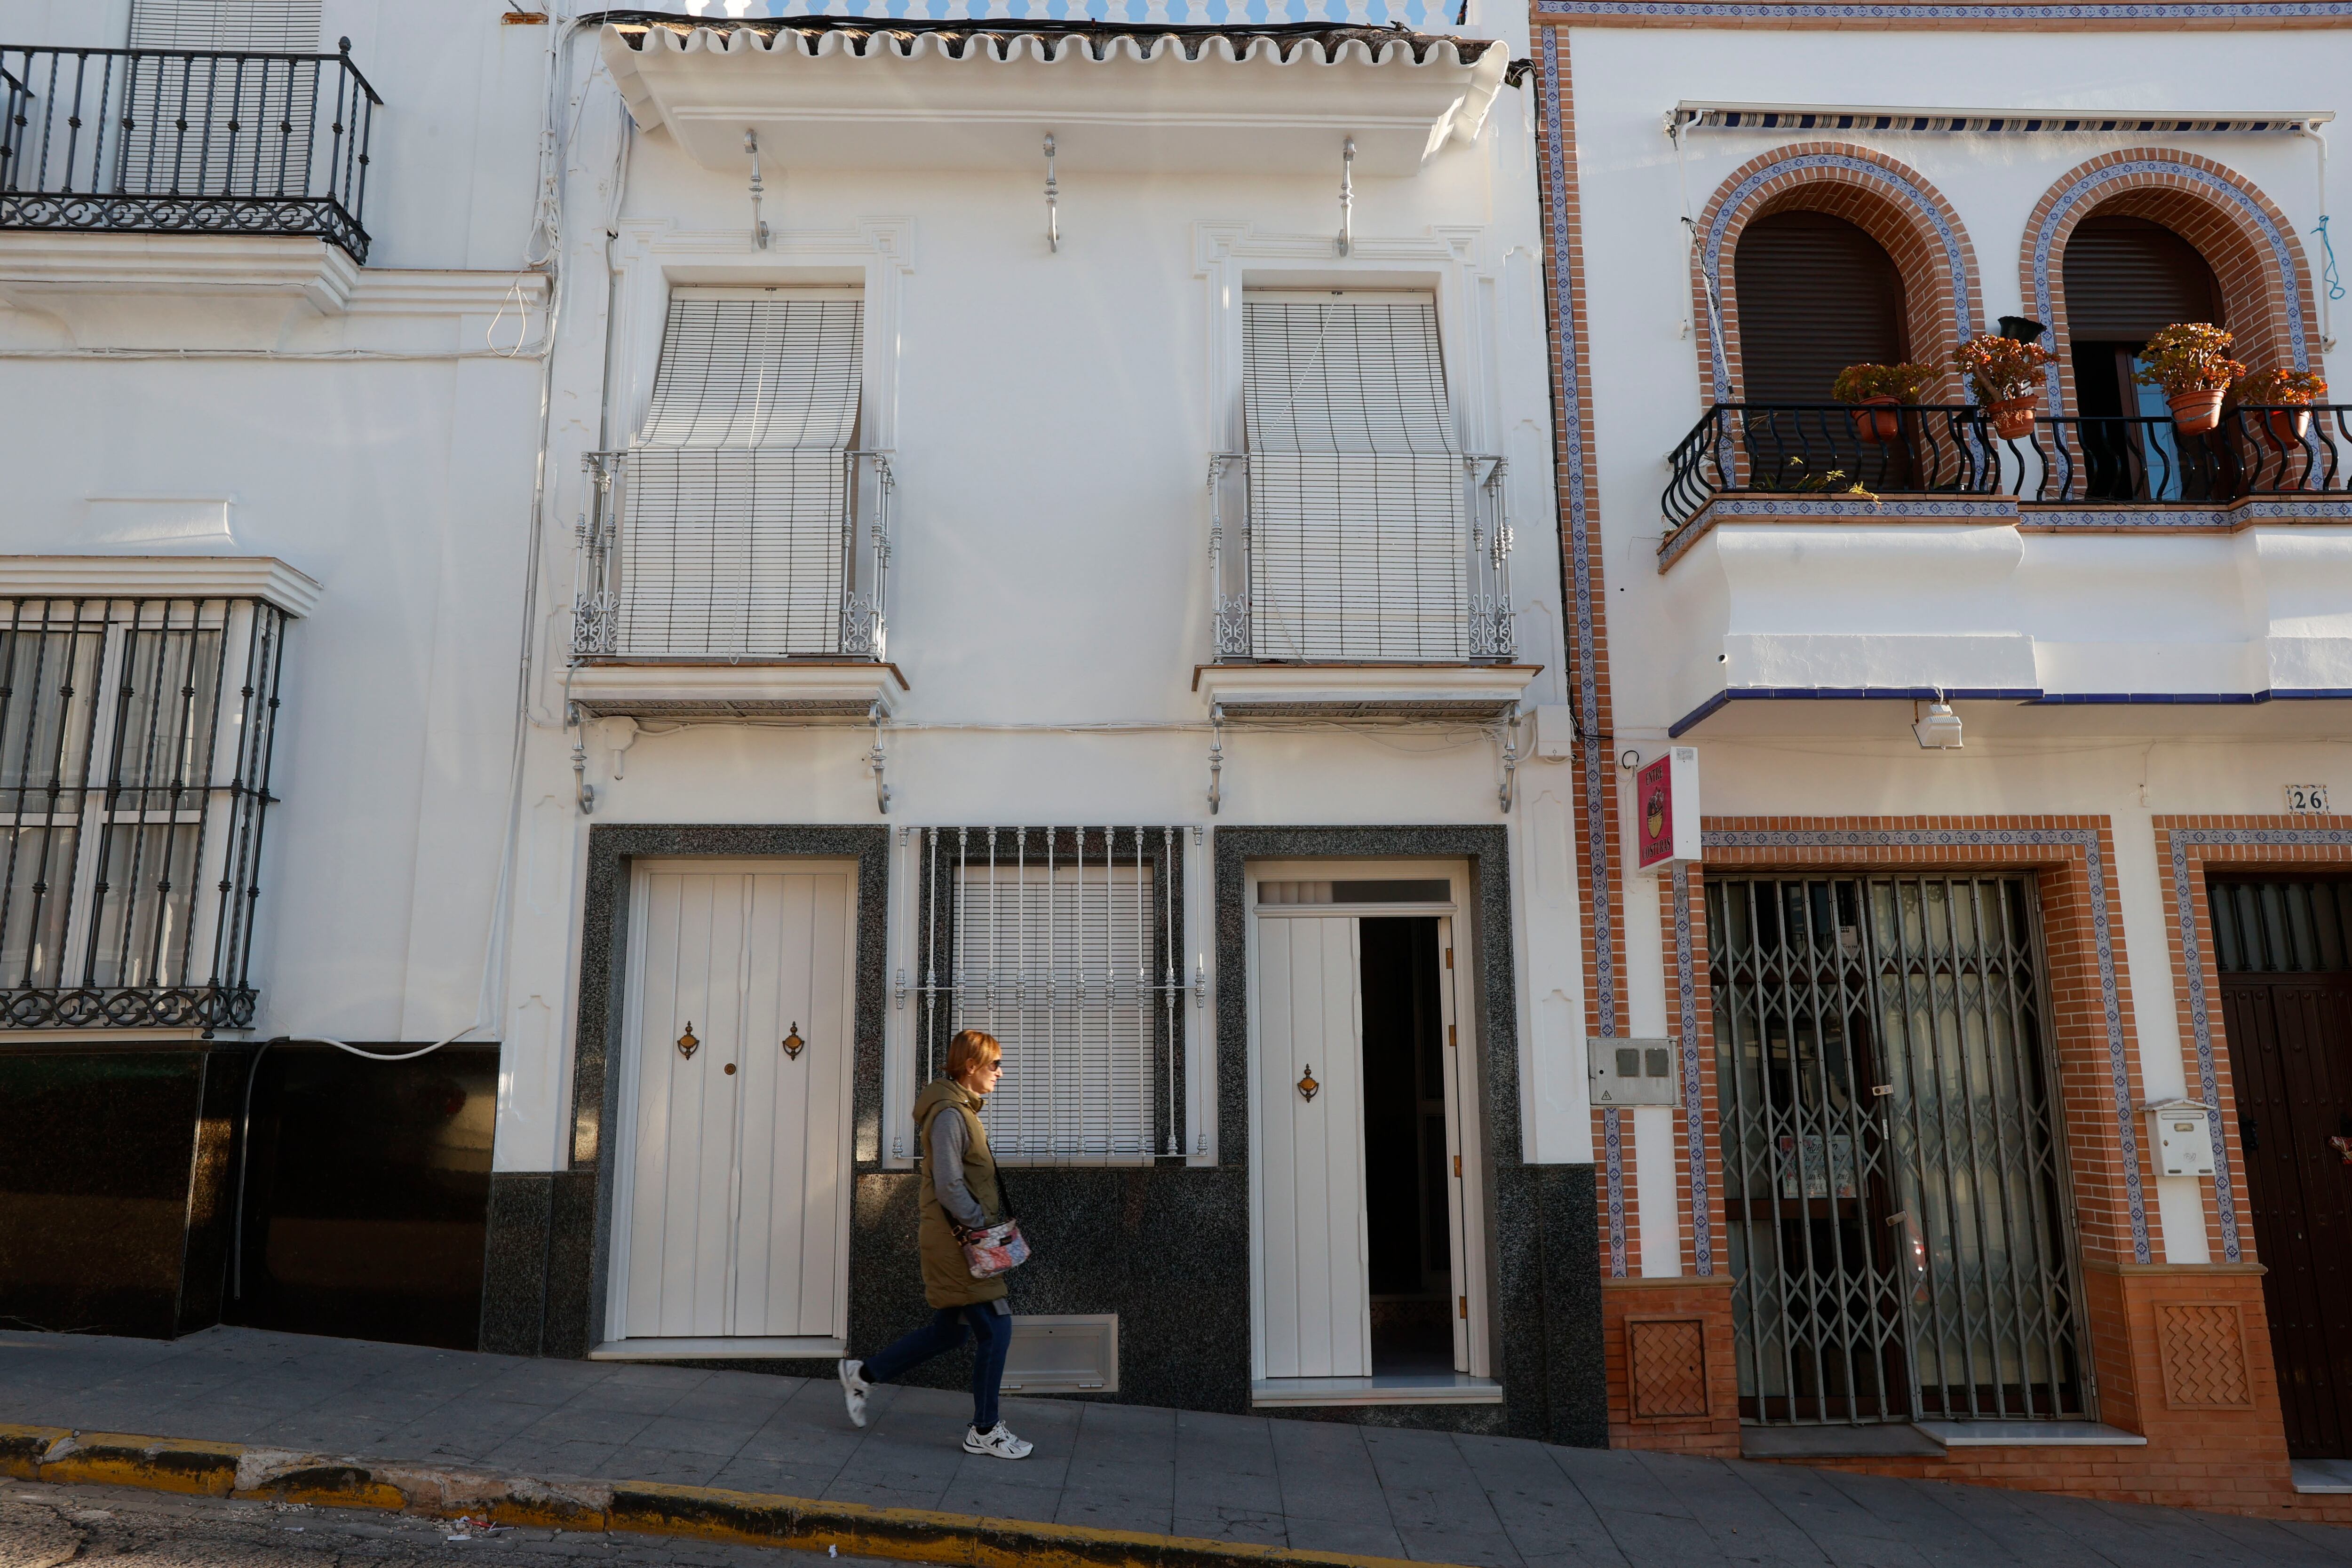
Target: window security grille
column 1369, row 533
column 729, row 529
column 1062, row 943
column 1893, row 1180
column 135, row 739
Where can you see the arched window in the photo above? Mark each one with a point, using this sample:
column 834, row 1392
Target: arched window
column 1815, row 295
column 2128, row 278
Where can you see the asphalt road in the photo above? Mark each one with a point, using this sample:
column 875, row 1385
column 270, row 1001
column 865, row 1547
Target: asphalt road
column 108, row 1526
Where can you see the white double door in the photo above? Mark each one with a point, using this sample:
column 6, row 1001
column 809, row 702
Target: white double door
column 733, row 1203
column 1313, row 1224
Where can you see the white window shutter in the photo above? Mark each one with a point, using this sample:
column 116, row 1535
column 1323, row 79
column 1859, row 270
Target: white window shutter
column 737, row 492
column 1358, row 516
column 280, row 26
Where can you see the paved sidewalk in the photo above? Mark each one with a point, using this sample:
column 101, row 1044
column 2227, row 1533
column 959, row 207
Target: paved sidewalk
column 1327, row 1487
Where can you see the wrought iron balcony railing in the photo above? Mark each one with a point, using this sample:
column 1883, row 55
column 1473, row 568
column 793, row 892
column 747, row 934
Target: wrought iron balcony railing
column 173, row 141
column 1349, row 558
column 696, row 555
column 1837, row 449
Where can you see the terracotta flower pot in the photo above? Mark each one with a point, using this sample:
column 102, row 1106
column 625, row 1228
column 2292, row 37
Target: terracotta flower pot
column 1876, row 419
column 2012, row 417
column 2195, row 411
column 2288, row 425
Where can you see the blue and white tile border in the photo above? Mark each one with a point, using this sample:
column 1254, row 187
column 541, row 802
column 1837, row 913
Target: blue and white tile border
column 2086, row 840
column 1988, row 509
column 1577, row 513
column 2087, row 187
column 1693, row 1102
column 2200, row 1005
column 1906, row 188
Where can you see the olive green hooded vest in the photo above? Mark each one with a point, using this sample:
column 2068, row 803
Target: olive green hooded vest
column 946, row 1281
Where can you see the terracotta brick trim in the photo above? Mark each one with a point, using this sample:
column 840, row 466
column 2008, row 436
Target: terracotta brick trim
column 2252, row 247
column 1889, row 201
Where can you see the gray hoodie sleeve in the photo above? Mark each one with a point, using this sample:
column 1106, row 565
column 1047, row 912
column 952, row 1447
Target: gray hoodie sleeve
column 949, row 1141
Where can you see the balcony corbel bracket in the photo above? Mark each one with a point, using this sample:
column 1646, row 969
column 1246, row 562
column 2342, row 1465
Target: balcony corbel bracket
column 1509, row 735
column 876, row 759
column 1346, row 196
column 583, row 793
column 759, row 235
column 1216, row 757
column 1053, row 201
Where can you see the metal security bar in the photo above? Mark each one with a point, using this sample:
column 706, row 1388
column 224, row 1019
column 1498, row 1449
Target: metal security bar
column 699, row 577
column 135, row 741
column 1893, row 1175
column 182, row 142
column 1063, row 944
column 1347, row 568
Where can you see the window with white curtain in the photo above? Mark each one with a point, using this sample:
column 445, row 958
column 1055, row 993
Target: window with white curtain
column 1061, row 943
column 1358, row 509
column 290, row 27
column 737, row 494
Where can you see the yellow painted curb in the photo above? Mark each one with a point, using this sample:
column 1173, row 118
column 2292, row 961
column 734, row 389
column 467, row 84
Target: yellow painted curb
column 643, row 1508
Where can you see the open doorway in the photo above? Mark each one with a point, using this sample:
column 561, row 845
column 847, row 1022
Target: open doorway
column 1406, row 1196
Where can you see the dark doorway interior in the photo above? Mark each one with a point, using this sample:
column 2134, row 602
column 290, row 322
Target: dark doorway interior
column 2285, row 950
column 1404, row 1147
column 2127, row 279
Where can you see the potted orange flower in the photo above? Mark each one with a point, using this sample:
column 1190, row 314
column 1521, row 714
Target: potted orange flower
column 1876, row 392
column 2006, row 375
column 2288, row 396
column 2190, row 360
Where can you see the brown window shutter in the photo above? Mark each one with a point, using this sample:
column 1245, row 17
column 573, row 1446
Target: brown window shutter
column 1816, row 295
column 2128, row 278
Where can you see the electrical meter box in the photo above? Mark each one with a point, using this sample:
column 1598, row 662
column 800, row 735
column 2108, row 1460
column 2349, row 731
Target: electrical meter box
column 2183, row 1143
column 1633, row 1071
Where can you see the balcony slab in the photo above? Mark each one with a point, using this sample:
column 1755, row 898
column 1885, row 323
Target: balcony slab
column 808, row 691
column 1437, row 693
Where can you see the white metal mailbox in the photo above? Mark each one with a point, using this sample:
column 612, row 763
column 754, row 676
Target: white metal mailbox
column 2176, row 1129
column 1633, row 1071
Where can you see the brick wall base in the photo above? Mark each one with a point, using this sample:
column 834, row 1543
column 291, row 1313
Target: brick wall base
column 1673, row 1383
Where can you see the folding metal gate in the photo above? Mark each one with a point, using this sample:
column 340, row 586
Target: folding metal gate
column 1895, row 1176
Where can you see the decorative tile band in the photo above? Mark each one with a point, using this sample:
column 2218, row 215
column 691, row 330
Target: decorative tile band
column 2085, row 839
column 1613, row 1148
column 1694, row 1102
column 2219, row 189
column 1876, row 174
column 2200, row 1011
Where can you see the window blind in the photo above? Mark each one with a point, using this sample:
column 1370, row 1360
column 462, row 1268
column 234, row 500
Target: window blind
column 737, row 505
column 1358, row 513
column 288, row 27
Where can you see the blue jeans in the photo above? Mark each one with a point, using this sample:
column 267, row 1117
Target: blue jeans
column 991, row 1329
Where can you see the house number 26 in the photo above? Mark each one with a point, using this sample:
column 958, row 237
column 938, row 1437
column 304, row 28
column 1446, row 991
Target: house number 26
column 2306, row 798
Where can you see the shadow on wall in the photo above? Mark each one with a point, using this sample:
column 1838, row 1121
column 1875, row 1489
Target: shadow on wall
column 366, row 1196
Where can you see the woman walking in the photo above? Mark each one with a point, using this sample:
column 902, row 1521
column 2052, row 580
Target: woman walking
column 958, row 1197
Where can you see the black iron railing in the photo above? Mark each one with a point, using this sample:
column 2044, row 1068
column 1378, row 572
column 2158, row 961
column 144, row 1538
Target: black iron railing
column 1829, row 449
column 1838, row 450
column 171, row 142
column 2264, row 451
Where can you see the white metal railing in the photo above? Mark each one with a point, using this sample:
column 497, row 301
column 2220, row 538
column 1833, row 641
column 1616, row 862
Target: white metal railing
column 733, row 574
column 1373, row 558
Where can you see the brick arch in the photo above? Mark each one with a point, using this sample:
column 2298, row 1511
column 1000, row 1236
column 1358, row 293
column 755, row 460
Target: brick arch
column 2244, row 237
column 1893, row 204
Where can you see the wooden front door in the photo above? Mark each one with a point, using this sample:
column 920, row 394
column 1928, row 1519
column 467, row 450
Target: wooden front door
column 733, row 1213
column 2286, row 954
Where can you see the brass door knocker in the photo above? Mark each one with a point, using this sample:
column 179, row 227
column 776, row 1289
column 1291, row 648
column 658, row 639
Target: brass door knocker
column 1307, row 1085
column 686, row 1042
column 792, row 1042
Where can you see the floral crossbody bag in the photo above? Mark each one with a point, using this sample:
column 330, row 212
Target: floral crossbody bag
column 1000, row 1249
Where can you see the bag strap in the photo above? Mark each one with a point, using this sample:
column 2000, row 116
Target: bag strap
column 1005, row 1194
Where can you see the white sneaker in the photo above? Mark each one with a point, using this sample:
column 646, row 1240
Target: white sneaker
column 998, row 1441
column 853, row 1391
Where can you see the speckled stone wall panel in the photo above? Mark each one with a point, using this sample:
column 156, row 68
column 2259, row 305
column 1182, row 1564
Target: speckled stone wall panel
column 514, row 1262
column 575, row 1314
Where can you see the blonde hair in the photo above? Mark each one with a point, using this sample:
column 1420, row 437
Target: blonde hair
column 970, row 1049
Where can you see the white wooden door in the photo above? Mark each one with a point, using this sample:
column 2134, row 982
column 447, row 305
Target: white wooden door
column 1317, row 1294
column 1457, row 1098
column 735, row 1221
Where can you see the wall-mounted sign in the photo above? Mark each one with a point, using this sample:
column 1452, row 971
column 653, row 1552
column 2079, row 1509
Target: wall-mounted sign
column 2306, row 798
column 1665, row 811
